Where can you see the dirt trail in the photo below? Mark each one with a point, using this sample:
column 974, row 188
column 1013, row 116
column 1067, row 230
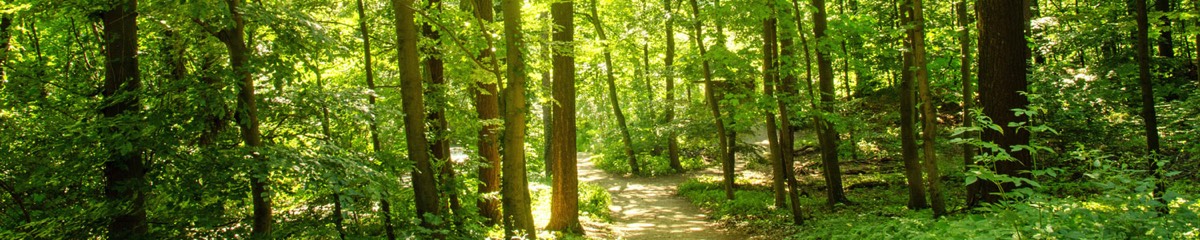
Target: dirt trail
column 647, row 208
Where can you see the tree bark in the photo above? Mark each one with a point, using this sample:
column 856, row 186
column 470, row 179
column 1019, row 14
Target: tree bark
column 372, row 122
column 436, row 94
column 612, row 93
column 487, row 106
column 564, row 202
column 1165, row 45
column 518, row 216
column 1149, row 115
column 713, row 105
column 125, row 170
column 968, row 94
column 234, row 38
column 787, row 98
column 669, row 115
column 1003, row 56
column 929, row 124
column 908, row 141
column 770, row 72
column 411, row 89
column 828, row 135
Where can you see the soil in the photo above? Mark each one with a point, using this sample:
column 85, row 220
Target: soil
column 648, row 207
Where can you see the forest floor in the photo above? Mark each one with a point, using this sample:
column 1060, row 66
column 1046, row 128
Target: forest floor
column 648, row 207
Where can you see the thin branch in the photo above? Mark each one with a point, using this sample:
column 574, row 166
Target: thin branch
column 457, row 42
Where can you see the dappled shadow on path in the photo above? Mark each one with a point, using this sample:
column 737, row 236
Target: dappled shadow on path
column 647, row 208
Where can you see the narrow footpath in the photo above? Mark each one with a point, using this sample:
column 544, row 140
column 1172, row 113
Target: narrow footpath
column 647, row 207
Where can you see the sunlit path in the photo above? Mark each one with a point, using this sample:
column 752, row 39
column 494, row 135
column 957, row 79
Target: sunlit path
column 647, row 208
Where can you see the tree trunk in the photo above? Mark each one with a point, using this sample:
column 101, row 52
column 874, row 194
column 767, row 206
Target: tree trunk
column 669, row 118
column 929, row 124
column 436, row 93
column 372, row 123
column 968, row 94
column 714, row 106
column 828, row 135
column 1003, row 56
column 1149, row 116
column 487, row 106
column 564, row 202
column 788, row 97
column 612, row 93
column 125, row 170
column 246, row 117
column 5, row 36
column 411, row 89
column 1165, row 45
column 770, row 72
column 518, row 216
column 908, row 141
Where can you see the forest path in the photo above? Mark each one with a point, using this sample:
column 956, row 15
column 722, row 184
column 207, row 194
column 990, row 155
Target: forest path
column 647, row 207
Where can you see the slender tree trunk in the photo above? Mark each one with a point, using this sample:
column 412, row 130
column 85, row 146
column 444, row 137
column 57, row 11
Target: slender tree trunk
column 714, row 106
column 968, row 94
column 1196, row 64
column 770, row 72
column 518, row 216
column 1166, row 48
column 372, row 122
column 812, row 97
column 788, row 97
column 125, row 171
column 1003, row 56
column 436, row 94
column 5, row 37
column 564, row 202
column 547, row 105
column 829, row 136
column 908, row 141
column 1149, row 116
column 411, row 89
column 612, row 93
column 487, row 106
column 669, row 118
column 929, row 124
column 338, row 218
column 246, row 117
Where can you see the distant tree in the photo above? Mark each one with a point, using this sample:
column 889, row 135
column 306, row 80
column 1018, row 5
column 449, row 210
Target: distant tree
column 373, row 123
column 908, row 141
column 436, row 94
column 487, row 106
column 1145, row 80
column 125, row 170
column 669, row 114
column 613, row 98
column 713, row 104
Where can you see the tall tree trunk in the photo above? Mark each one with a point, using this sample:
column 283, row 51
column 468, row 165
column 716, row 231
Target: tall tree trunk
column 968, row 94
column 828, row 135
column 372, row 122
column 487, row 106
column 1003, row 66
column 908, row 141
column 612, row 92
column 713, row 105
column 929, row 124
column 234, row 38
column 338, row 218
column 436, row 94
column 787, row 98
column 424, row 185
column 125, row 170
column 5, row 36
column 669, row 118
column 1149, row 115
column 1165, row 45
column 770, row 72
column 518, row 216
column 564, row 202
